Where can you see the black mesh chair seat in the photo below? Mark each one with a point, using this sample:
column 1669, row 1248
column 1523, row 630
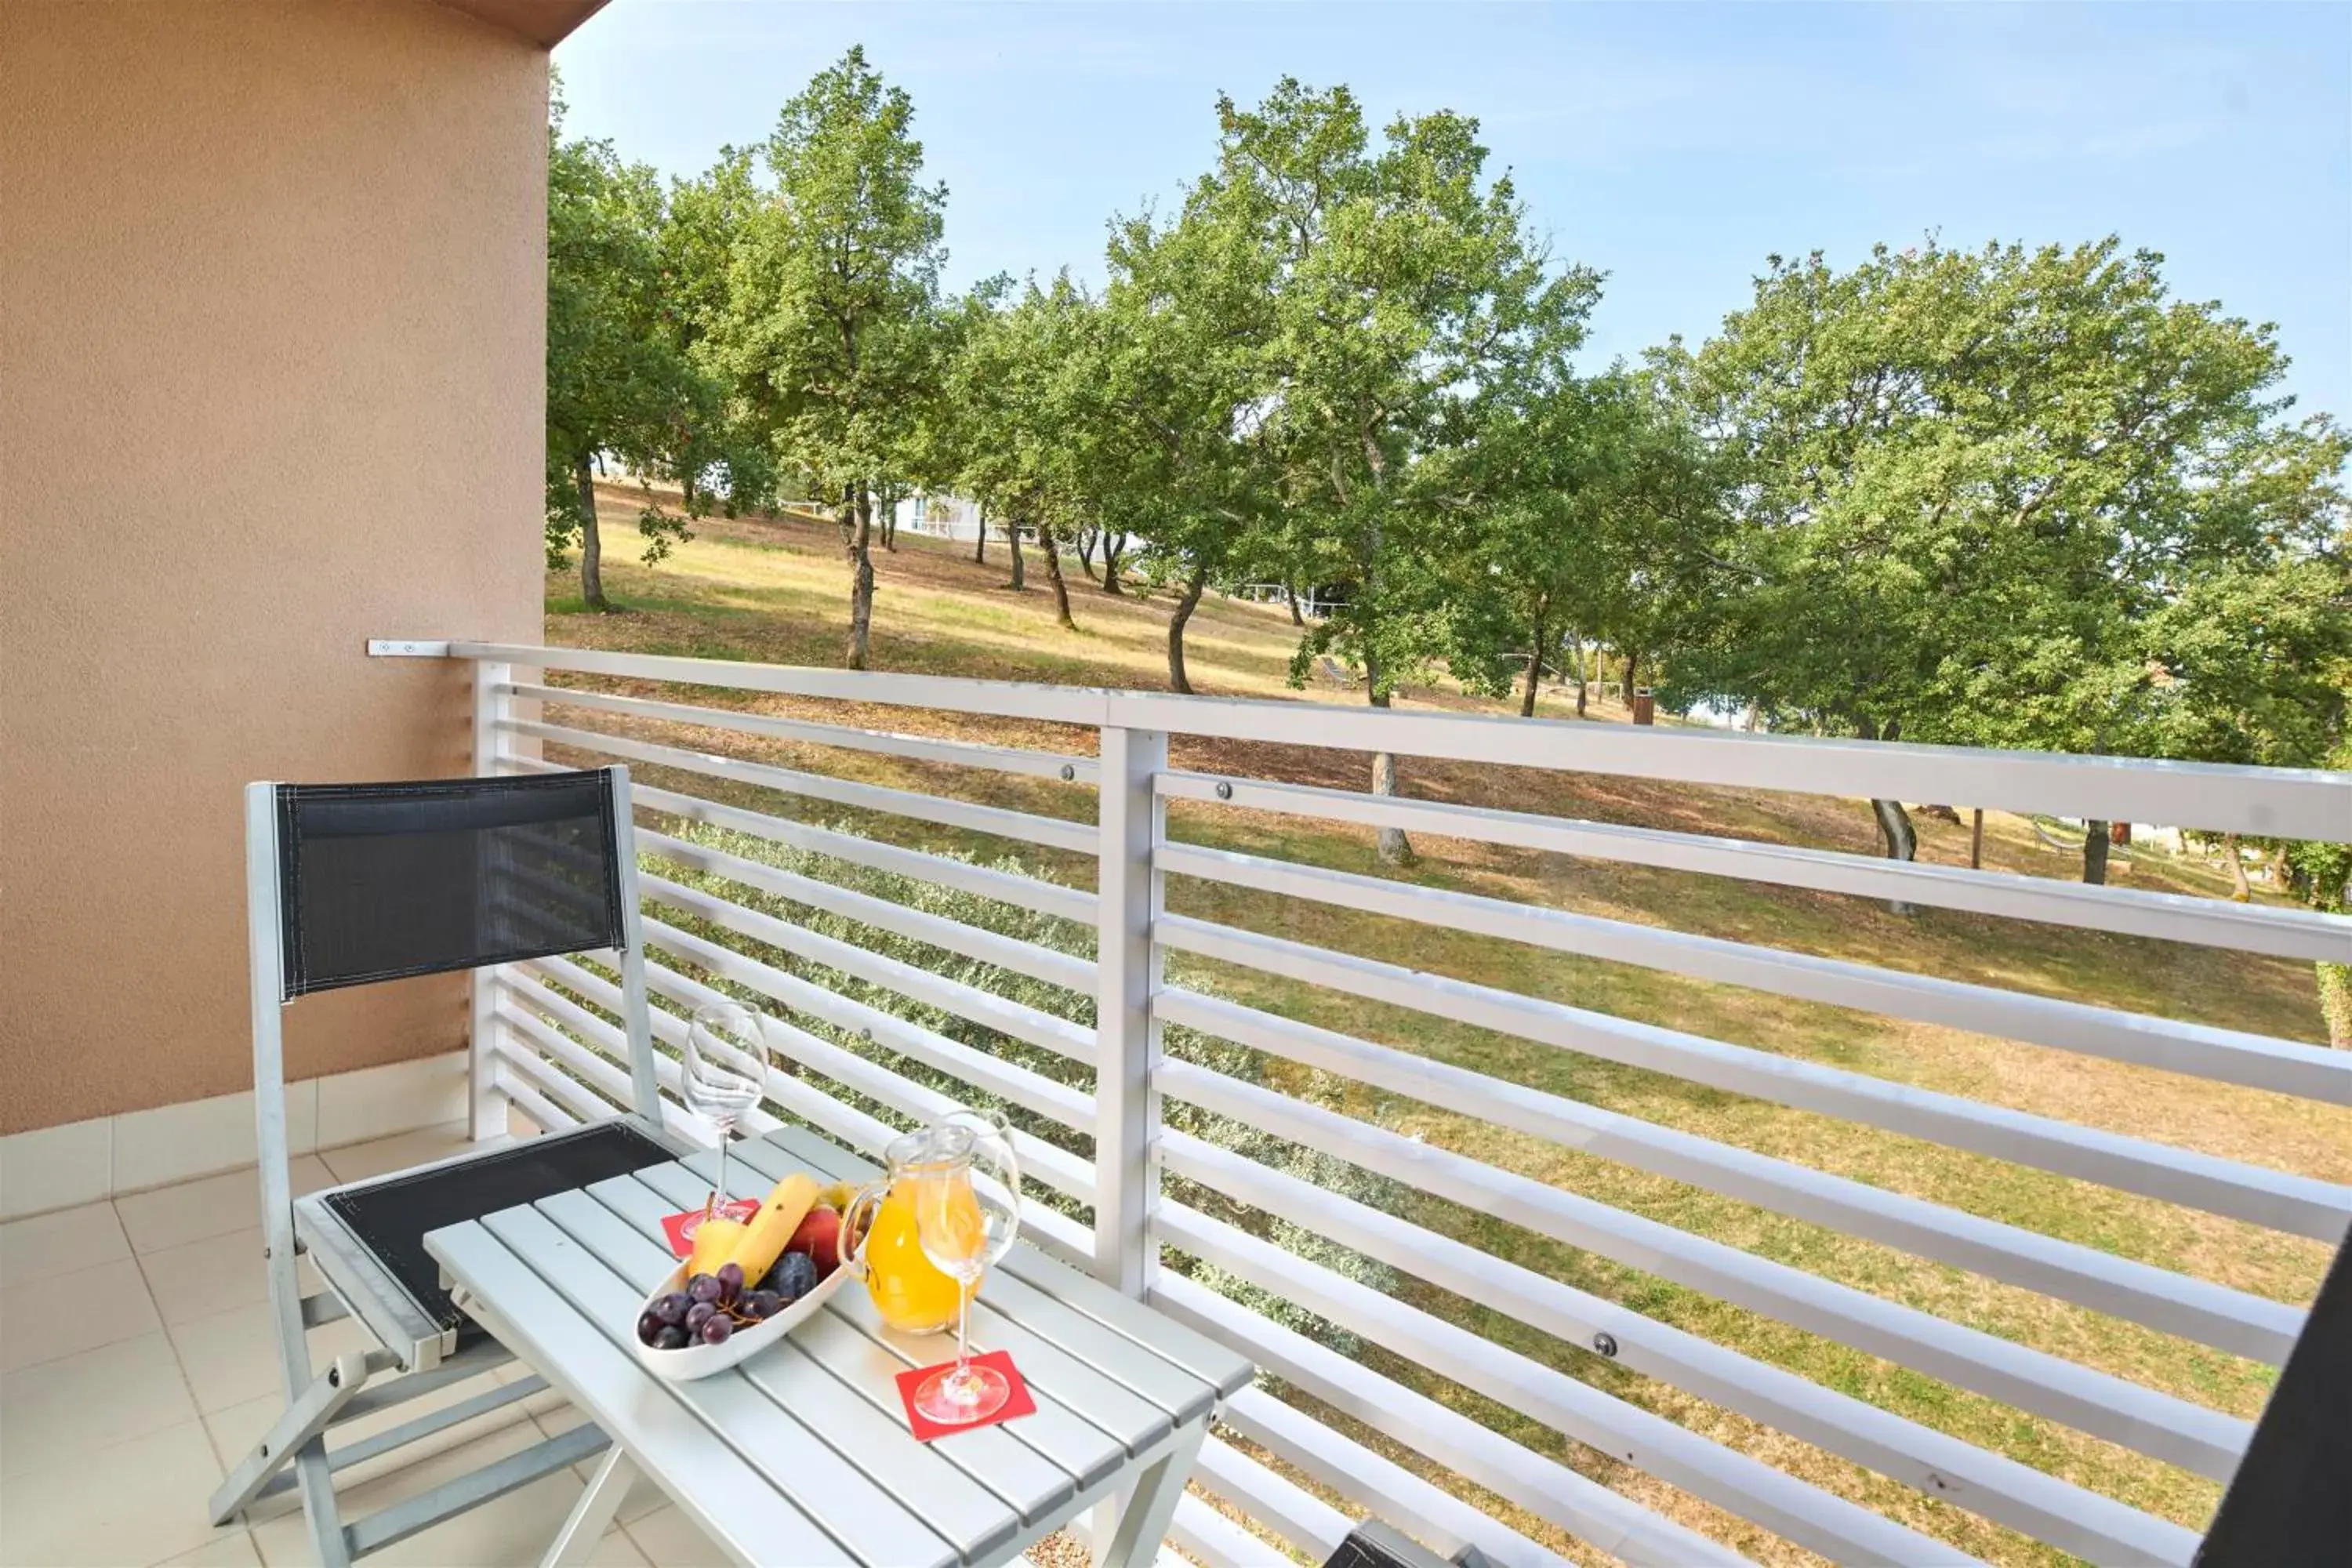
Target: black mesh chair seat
column 390, row 1218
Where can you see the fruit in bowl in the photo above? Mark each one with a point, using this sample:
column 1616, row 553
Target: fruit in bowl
column 741, row 1274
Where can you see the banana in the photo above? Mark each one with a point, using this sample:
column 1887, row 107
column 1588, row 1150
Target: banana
column 772, row 1226
column 715, row 1241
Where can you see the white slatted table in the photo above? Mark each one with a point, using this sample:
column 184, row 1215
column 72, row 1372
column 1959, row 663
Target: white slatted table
column 802, row 1455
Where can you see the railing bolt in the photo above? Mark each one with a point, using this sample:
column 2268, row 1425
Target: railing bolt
column 1224, row 790
column 1606, row 1343
column 1068, row 772
column 865, row 1033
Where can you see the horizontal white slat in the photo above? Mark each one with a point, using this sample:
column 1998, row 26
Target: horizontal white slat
column 2228, row 1055
column 2275, row 1199
column 2106, row 1406
column 544, row 1114
column 1017, row 1019
column 1546, row 1489
column 927, row 748
column 1208, row 1537
column 1998, row 1488
column 2175, row 917
column 2212, row 1314
column 2283, row 803
column 1000, row 698
column 2280, row 803
column 979, row 1068
column 1052, row 832
column 528, row 1007
column 1290, row 1511
column 1381, row 1487
column 575, row 1099
column 1050, row 1164
column 1839, row 1529
column 1076, row 904
column 1065, row 970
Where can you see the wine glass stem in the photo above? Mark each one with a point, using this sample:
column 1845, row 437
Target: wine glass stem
column 963, row 1328
column 723, row 1194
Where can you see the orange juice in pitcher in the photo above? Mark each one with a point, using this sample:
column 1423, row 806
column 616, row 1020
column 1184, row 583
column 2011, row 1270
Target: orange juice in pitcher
column 930, row 1182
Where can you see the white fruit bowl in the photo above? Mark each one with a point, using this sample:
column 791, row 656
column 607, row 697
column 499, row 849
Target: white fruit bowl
column 690, row 1361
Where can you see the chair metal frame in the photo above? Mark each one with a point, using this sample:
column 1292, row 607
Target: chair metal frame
column 426, row 1356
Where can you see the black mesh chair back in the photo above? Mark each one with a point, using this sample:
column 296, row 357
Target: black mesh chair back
column 383, row 881
column 380, row 881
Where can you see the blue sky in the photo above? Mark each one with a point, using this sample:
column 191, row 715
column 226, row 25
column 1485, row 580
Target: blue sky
column 1673, row 146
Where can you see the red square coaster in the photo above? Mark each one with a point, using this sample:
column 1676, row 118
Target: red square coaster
column 1017, row 1402
column 680, row 1228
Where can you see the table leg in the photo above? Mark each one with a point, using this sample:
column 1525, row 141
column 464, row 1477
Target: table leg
column 1143, row 1522
column 592, row 1514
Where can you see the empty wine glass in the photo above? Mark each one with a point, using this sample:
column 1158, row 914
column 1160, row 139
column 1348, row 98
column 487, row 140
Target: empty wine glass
column 967, row 1213
column 726, row 1070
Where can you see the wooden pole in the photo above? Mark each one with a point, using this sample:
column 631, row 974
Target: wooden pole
column 1976, row 839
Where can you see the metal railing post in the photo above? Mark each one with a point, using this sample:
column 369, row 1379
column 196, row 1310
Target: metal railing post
column 486, row 1107
column 1127, row 1104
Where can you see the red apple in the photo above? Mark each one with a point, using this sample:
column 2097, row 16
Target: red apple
column 819, row 1236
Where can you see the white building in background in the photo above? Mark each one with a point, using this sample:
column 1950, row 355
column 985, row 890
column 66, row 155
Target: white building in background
column 940, row 517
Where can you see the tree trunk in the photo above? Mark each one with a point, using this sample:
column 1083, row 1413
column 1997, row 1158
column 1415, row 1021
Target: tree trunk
column 592, row 544
column 979, row 544
column 1395, row 849
column 1086, row 554
column 1290, row 596
column 2335, row 1002
column 1632, row 673
column 686, row 490
column 1020, row 584
column 2241, row 890
column 1184, row 607
column 890, row 522
column 1976, row 839
column 1112, row 550
column 2095, row 853
column 1535, row 669
column 1583, row 670
column 1052, row 550
column 858, row 531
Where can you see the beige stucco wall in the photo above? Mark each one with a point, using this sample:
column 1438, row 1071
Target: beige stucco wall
column 271, row 316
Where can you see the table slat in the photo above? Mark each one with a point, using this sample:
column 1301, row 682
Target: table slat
column 1027, row 1482
column 1039, row 1350
column 946, row 1500
column 724, row 1496
column 1055, row 1429
column 840, row 1498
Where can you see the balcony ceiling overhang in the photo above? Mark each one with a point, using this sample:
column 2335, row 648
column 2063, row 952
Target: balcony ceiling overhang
column 546, row 23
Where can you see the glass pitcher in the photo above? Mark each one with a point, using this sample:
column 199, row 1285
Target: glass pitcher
column 956, row 1166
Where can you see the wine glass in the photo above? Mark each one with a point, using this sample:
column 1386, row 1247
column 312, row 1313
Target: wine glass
column 726, row 1070
column 966, row 1216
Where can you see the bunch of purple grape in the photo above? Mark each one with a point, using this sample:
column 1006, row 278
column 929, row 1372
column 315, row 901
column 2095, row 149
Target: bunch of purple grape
column 705, row 1312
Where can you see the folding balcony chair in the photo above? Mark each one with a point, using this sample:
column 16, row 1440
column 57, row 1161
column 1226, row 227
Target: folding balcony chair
column 351, row 884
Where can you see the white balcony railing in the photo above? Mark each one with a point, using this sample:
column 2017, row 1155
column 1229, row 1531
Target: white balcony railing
column 1044, row 990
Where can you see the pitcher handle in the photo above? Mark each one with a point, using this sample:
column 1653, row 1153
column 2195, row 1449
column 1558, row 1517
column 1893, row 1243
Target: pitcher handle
column 853, row 1235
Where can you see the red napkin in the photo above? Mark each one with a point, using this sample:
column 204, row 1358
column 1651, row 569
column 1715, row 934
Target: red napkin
column 680, row 1228
column 1017, row 1402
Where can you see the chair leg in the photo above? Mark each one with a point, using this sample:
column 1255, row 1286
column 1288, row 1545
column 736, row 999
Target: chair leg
column 305, row 1419
column 311, row 1474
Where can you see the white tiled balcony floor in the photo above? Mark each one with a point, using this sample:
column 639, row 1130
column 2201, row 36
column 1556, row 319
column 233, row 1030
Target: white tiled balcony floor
column 137, row 1363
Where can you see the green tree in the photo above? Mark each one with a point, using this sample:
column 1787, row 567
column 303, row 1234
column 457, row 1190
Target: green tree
column 1588, row 510
column 618, row 380
column 702, row 224
column 1974, row 489
column 831, row 301
column 1187, row 321
column 1402, row 287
